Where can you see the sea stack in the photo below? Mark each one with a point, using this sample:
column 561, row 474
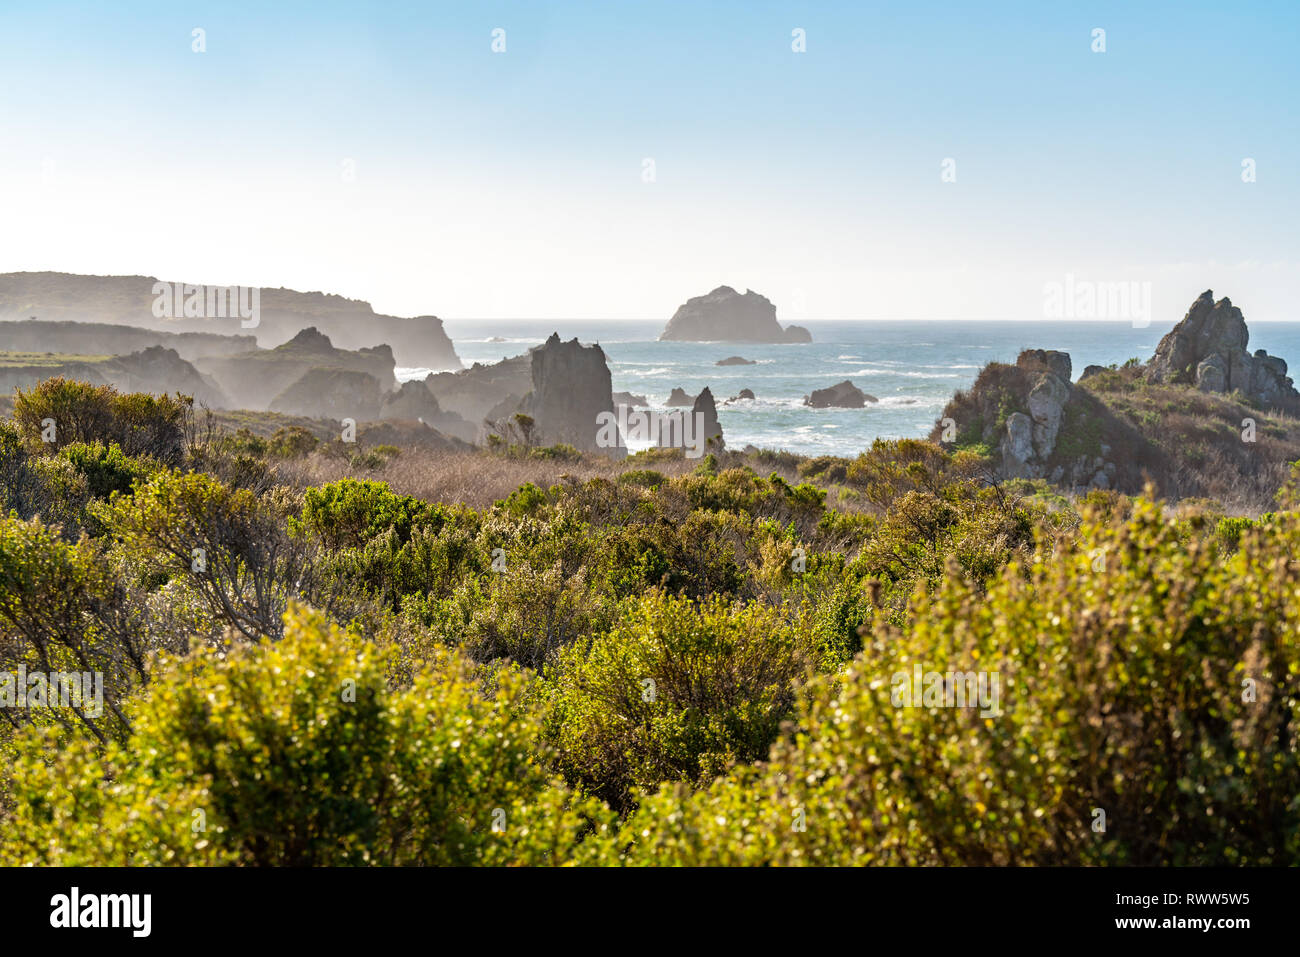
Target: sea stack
column 724, row 315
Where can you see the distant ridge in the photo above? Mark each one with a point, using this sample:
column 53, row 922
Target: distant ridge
column 350, row 324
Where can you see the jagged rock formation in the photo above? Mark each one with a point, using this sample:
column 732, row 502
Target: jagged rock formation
column 679, row 398
column 128, row 300
column 843, row 395
column 331, row 393
column 94, row 338
column 697, row 430
column 156, row 370
column 254, row 379
column 736, row 361
column 414, row 402
column 571, row 390
column 484, row 391
column 1208, row 349
column 724, row 315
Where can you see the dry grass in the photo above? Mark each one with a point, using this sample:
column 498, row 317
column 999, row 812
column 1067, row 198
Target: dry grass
column 471, row 478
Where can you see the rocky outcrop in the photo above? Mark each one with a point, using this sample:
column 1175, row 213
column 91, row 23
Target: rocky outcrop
column 745, row 395
column 571, row 395
column 724, row 315
column 736, row 361
column 155, row 370
column 160, row 370
column 489, row 391
column 679, row 398
column 352, row 324
column 843, row 395
column 253, row 379
column 697, row 431
column 414, row 402
column 1207, row 349
column 1039, row 426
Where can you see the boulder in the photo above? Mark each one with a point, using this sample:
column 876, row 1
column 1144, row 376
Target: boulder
column 725, row 315
column 844, row 395
column 745, row 395
column 1052, row 359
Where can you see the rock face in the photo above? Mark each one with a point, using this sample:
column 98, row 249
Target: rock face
column 736, row 361
column 724, row 315
column 844, row 395
column 413, row 402
column 1207, row 349
column 484, row 391
column 333, row 394
column 571, row 390
column 253, row 379
column 679, row 398
column 128, row 300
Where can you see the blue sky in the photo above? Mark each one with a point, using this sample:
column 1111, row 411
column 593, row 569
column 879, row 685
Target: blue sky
column 511, row 184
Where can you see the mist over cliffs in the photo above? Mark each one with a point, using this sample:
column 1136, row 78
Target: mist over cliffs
column 351, row 324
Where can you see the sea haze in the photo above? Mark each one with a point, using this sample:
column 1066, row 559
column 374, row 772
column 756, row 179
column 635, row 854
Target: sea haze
column 913, row 368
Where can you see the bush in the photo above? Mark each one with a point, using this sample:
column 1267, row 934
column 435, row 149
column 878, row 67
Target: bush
column 297, row 754
column 141, row 424
column 1144, row 675
column 673, row 692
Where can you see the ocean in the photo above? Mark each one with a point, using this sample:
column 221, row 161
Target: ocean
column 913, row 368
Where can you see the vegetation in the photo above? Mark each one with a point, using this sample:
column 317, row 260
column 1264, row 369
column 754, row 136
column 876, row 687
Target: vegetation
column 646, row 662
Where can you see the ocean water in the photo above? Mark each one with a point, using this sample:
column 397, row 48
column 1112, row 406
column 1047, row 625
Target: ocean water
column 913, row 368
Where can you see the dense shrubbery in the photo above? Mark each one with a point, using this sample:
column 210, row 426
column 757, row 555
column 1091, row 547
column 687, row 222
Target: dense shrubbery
column 710, row 657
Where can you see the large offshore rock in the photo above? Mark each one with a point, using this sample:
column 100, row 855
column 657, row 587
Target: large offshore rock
column 724, row 315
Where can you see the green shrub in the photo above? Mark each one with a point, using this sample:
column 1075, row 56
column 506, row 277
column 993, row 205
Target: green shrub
column 297, row 754
column 674, row 691
column 1145, row 675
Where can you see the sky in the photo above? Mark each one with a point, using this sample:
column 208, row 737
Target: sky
column 617, row 158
